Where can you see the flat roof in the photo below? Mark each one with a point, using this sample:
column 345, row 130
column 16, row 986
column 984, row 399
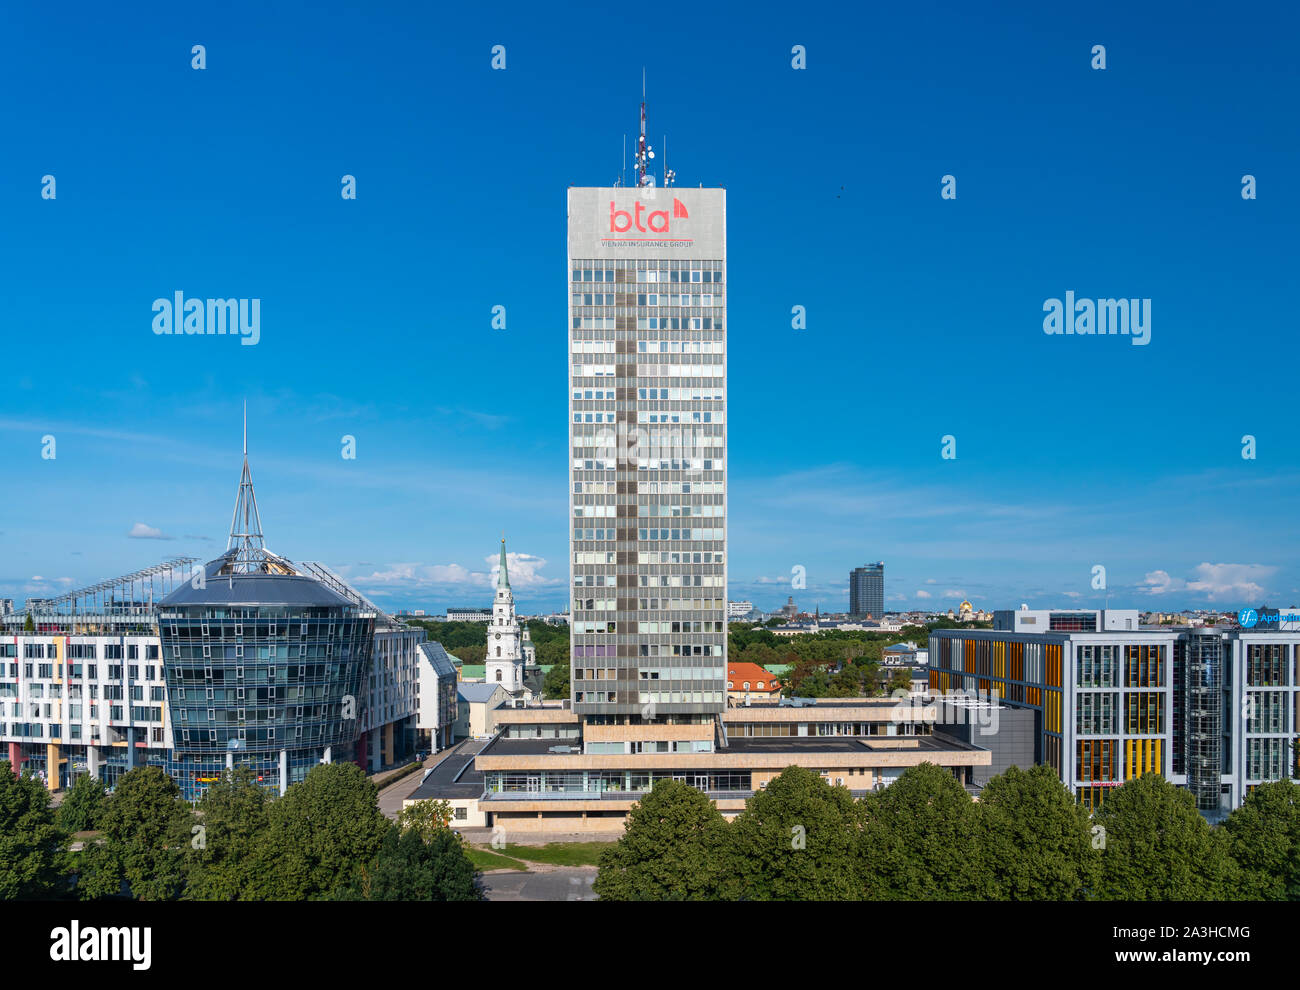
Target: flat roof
column 501, row 746
column 842, row 744
column 441, row 783
column 746, row 744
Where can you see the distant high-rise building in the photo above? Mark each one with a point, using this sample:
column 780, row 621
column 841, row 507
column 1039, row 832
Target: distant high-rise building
column 6, row 606
column 867, row 590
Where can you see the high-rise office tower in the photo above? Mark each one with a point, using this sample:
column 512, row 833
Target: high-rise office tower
column 647, row 431
column 867, row 590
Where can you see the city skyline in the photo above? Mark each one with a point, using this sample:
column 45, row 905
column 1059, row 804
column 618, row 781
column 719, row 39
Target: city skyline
column 146, row 426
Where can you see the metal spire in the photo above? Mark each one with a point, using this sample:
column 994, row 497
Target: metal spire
column 246, row 525
column 503, row 579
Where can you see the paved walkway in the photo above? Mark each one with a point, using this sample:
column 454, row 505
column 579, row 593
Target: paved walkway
column 392, row 796
column 554, row 883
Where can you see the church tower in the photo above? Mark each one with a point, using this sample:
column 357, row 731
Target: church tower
column 505, row 659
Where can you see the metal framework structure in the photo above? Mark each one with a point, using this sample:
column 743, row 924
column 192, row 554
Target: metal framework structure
column 246, row 540
column 331, row 580
column 117, row 596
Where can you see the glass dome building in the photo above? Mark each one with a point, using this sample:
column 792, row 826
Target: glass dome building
column 265, row 664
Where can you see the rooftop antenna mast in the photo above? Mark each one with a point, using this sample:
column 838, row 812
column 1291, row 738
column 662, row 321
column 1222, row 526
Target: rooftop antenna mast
column 643, row 152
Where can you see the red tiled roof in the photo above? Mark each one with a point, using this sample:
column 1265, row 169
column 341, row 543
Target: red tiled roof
column 739, row 673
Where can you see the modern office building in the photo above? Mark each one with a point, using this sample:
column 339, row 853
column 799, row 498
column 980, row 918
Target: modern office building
column 1215, row 709
column 867, row 590
column 250, row 659
column 647, row 436
column 266, row 665
column 84, row 691
column 648, row 495
column 6, row 606
column 390, row 715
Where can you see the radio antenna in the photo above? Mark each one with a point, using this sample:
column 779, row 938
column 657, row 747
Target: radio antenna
column 644, row 152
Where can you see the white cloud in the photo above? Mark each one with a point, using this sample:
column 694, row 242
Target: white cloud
column 44, row 586
column 523, row 569
column 1159, row 583
column 420, row 576
column 1239, row 582
column 924, row 594
column 140, row 531
column 931, row 581
column 525, row 572
column 954, row 593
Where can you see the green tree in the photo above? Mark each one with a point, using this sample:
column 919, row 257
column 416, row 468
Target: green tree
column 554, row 652
column 233, row 822
column 82, row 804
column 1037, row 837
column 319, row 836
column 428, row 818
column 808, row 679
column 556, row 685
column 797, row 840
column 146, row 828
column 29, row 625
column 471, row 654
column 453, row 636
column 31, row 845
column 922, row 840
column 672, row 849
column 1157, row 847
column 412, row 868
column 850, row 682
column 900, row 679
column 1264, row 838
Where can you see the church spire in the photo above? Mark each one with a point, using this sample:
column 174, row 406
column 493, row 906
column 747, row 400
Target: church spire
column 503, row 579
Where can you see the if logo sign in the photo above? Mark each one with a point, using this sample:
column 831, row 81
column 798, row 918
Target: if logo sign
column 647, row 222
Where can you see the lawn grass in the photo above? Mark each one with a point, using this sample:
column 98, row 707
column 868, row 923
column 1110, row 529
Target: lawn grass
column 484, row 859
column 560, row 853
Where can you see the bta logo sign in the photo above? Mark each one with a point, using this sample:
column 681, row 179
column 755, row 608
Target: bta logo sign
column 656, row 221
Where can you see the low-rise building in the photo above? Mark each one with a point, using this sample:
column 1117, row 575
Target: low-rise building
column 477, row 706
column 439, row 697
column 469, row 615
column 547, row 769
column 748, row 682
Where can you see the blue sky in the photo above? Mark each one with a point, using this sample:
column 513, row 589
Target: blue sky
column 924, row 315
